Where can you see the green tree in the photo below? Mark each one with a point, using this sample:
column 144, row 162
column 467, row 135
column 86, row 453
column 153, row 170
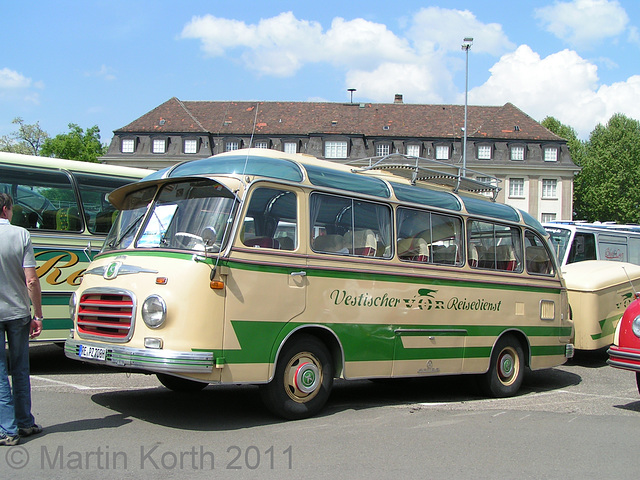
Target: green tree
column 75, row 145
column 607, row 187
column 27, row 140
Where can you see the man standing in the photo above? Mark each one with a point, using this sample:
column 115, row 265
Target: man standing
column 19, row 283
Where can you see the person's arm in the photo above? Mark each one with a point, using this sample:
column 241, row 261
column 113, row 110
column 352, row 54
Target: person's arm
column 35, row 294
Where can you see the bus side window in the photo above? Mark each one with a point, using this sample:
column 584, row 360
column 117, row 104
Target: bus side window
column 537, row 256
column 271, row 220
column 346, row 226
column 582, row 248
column 494, row 247
column 44, row 199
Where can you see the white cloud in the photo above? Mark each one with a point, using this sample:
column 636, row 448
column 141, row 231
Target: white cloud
column 419, row 63
column 13, row 79
column 584, row 22
column 562, row 85
column 436, row 28
column 104, row 72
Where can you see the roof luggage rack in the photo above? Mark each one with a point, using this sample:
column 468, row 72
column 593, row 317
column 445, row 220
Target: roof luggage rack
column 417, row 169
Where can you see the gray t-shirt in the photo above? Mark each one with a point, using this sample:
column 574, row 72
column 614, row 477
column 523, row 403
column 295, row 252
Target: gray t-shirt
column 16, row 252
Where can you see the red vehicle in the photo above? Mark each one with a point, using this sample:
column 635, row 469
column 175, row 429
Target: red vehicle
column 625, row 351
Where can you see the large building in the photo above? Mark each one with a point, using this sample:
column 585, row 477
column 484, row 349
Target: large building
column 532, row 164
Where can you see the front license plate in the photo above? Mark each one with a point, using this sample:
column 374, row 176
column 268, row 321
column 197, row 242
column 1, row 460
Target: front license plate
column 94, row 353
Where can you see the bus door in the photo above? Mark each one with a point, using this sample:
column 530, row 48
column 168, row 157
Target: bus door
column 266, row 280
column 429, row 339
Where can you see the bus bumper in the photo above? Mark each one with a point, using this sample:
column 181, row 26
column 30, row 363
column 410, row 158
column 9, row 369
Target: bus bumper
column 627, row 359
column 153, row 360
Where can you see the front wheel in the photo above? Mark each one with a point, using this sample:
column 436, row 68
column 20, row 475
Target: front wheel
column 302, row 381
column 506, row 370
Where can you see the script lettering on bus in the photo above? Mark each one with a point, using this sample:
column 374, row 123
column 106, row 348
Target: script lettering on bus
column 56, row 267
column 423, row 300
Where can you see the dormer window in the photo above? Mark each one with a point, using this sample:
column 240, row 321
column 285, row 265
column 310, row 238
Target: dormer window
column 517, row 152
column 159, row 145
column 382, row 149
column 128, row 145
column 190, row 146
column 413, row 150
column 484, row 152
column 550, row 154
column 442, row 152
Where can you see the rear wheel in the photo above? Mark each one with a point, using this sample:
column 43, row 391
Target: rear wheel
column 302, row 381
column 506, row 370
column 178, row 384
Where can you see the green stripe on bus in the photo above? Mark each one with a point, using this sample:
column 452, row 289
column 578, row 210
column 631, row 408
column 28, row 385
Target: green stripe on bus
column 375, row 342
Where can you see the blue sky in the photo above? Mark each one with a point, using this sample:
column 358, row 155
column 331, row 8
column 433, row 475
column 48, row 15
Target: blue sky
column 106, row 63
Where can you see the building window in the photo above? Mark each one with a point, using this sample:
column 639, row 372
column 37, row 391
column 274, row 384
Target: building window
column 382, row 149
column 230, row 146
column 290, row 147
column 335, row 149
column 442, row 152
column 159, row 145
column 128, row 145
column 516, row 187
column 413, row 150
column 261, row 144
column 190, row 146
column 484, row 152
column 548, row 217
column 517, row 152
column 550, row 154
column 549, row 188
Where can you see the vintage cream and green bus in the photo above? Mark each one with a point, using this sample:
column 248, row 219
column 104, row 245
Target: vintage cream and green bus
column 63, row 204
column 262, row 267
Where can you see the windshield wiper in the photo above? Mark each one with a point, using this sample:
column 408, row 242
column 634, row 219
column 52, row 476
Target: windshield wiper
column 126, row 232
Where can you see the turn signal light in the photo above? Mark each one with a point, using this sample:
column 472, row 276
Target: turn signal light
column 216, row 285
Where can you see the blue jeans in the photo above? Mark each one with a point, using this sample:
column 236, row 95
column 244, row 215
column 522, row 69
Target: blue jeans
column 15, row 408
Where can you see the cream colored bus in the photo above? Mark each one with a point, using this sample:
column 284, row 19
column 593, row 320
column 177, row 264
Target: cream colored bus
column 63, row 205
column 261, row 267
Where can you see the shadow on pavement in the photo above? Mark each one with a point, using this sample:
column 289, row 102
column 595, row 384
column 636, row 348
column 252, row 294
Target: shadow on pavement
column 231, row 407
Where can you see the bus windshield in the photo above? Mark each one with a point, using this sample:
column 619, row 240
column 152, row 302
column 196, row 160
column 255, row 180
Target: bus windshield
column 559, row 240
column 191, row 215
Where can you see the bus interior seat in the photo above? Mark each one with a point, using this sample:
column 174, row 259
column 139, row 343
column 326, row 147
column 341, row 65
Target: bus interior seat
column 506, row 258
column 24, row 218
column 537, row 260
column 444, row 255
column 330, row 243
column 362, row 242
column 104, row 220
column 262, row 242
column 415, row 249
column 286, row 243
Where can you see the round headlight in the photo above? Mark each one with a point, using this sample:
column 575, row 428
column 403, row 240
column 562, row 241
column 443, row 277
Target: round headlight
column 73, row 302
column 635, row 326
column 154, row 311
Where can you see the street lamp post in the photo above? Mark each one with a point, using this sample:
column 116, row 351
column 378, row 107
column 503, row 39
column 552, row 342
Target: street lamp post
column 468, row 41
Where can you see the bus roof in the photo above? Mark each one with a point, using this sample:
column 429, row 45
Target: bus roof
column 383, row 181
column 72, row 165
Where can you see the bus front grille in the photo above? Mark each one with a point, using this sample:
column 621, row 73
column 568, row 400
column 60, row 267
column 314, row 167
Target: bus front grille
column 106, row 315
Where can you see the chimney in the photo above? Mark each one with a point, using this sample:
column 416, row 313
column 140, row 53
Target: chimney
column 398, row 98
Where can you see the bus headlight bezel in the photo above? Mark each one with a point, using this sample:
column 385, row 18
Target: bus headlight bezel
column 635, row 326
column 73, row 306
column 154, row 311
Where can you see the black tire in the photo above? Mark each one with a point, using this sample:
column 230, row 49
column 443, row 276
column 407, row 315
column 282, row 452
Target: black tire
column 638, row 381
column 302, row 381
column 178, row 384
column 506, row 369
